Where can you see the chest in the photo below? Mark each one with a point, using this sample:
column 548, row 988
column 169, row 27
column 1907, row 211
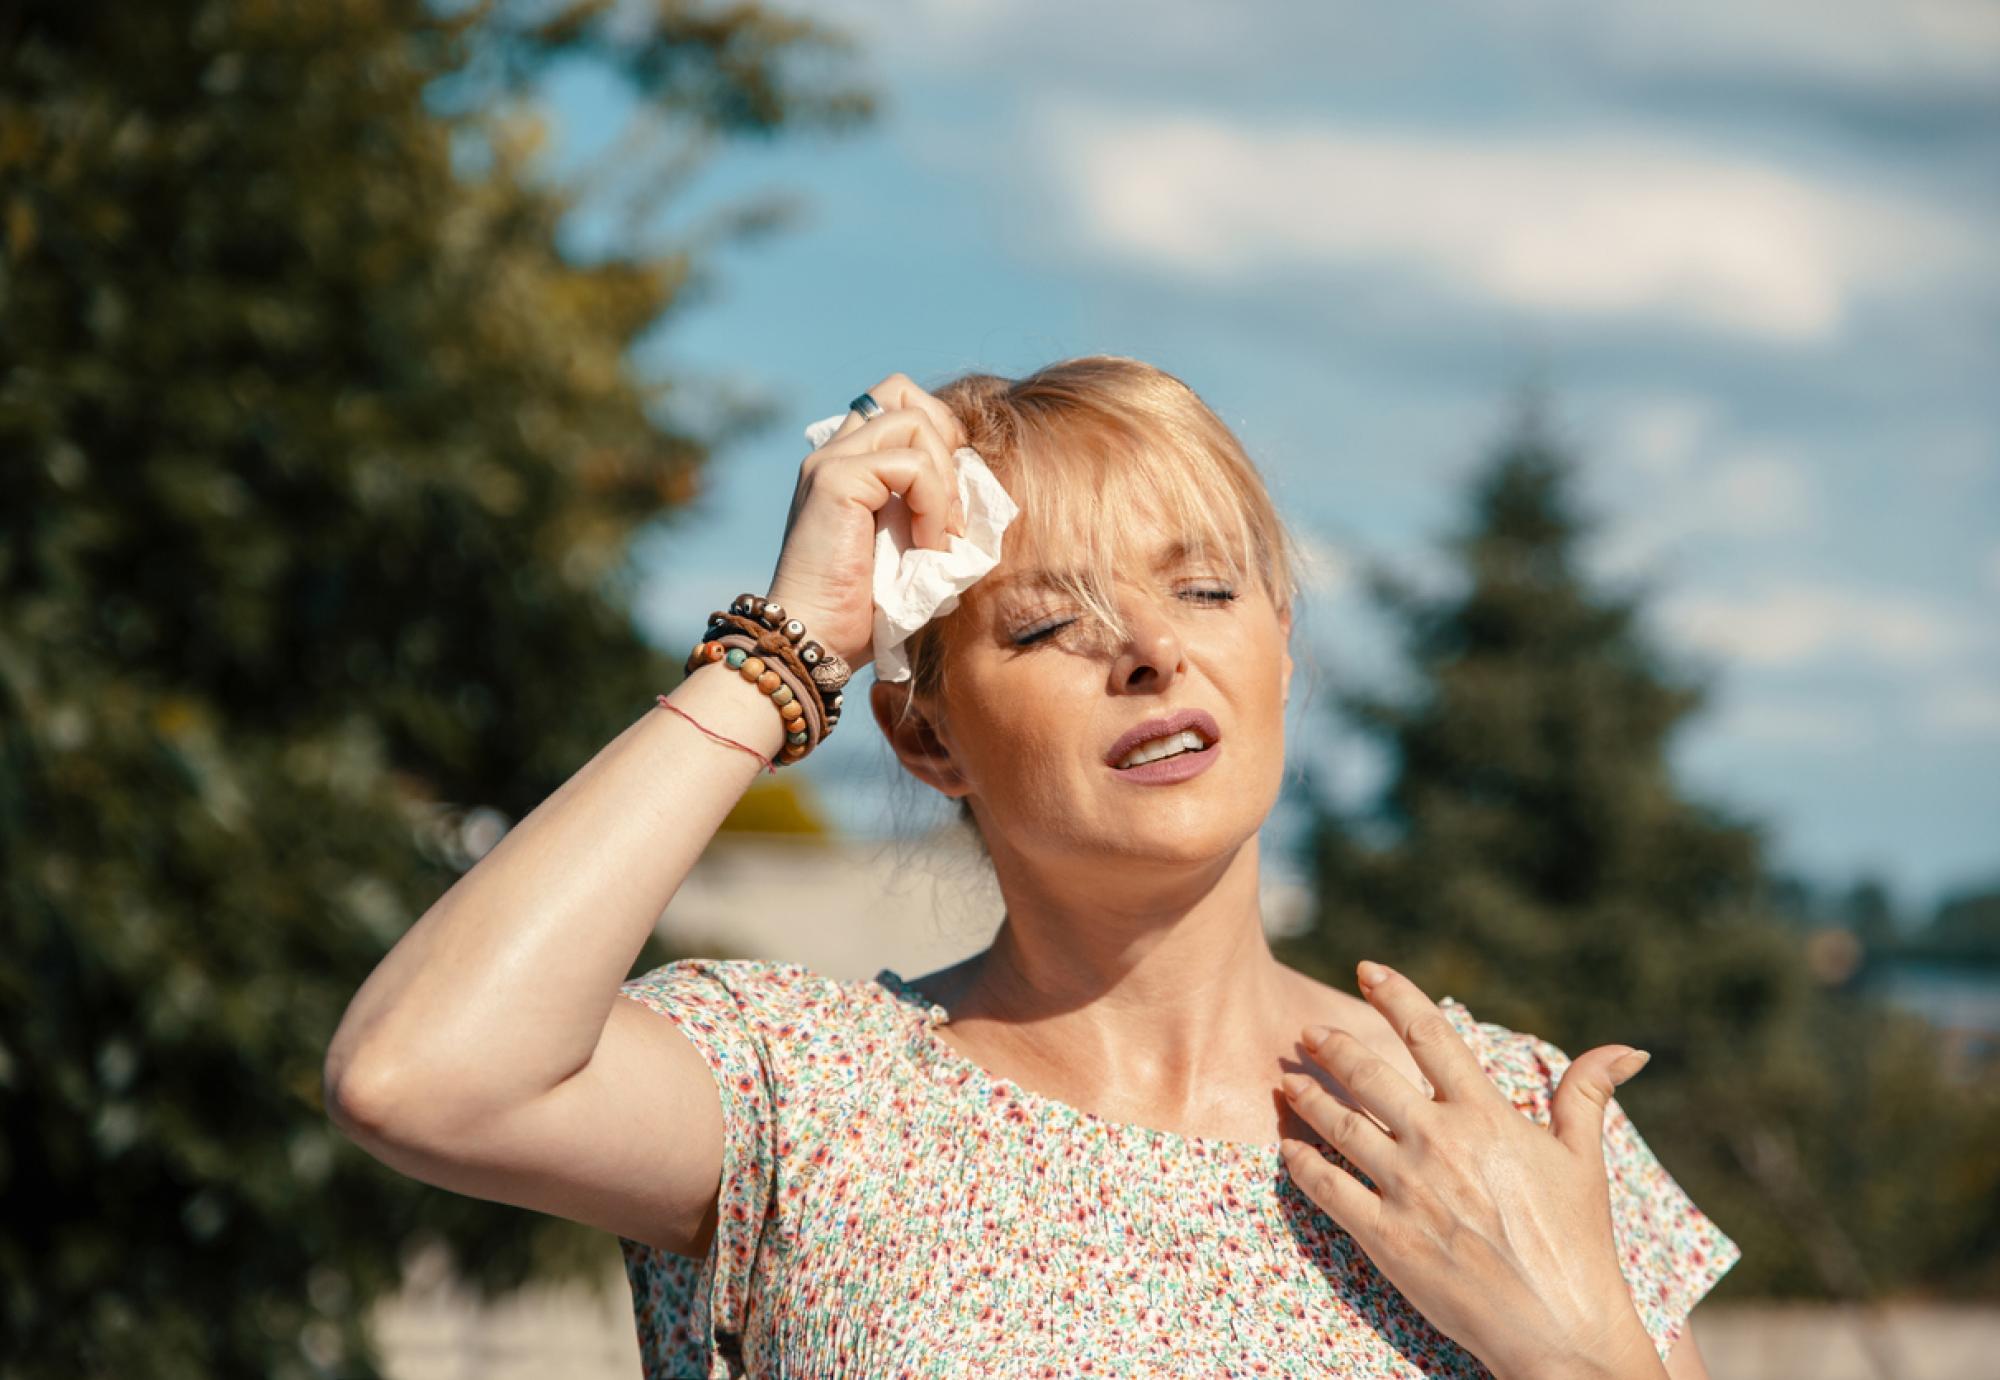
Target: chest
column 1038, row 1252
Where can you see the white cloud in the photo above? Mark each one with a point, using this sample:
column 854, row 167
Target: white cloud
column 1961, row 709
column 1587, row 225
column 1792, row 624
column 1662, row 436
column 1680, row 488
column 1867, row 46
column 1795, row 723
column 1921, row 47
column 1761, row 493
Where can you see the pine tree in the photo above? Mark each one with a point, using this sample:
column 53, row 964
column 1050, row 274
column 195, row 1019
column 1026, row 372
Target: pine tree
column 1533, row 856
column 319, row 465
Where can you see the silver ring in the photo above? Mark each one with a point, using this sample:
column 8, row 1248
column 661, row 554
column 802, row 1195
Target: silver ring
column 866, row 406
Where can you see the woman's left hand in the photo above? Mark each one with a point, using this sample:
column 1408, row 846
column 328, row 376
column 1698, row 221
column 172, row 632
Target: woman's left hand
column 1496, row 1230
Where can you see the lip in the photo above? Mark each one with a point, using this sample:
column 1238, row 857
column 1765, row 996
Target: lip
column 1179, row 767
column 1200, row 720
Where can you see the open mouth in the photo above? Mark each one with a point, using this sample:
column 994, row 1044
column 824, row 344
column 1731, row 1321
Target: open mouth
column 1189, row 743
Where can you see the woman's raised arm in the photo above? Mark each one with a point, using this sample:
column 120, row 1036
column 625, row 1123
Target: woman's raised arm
column 489, row 1052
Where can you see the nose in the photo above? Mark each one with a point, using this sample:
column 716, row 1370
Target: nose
column 1153, row 657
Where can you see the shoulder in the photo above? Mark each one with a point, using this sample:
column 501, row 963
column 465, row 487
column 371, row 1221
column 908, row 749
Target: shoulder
column 754, row 990
column 785, row 1023
column 1524, row 1067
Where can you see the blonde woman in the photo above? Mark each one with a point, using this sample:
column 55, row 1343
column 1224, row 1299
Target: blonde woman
column 1121, row 1140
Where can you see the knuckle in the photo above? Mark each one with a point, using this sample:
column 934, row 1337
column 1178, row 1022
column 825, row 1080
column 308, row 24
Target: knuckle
column 1334, row 1047
column 1368, row 1077
column 1343, row 1123
column 1431, row 1028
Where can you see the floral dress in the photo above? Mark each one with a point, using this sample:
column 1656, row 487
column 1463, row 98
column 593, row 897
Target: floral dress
column 890, row 1209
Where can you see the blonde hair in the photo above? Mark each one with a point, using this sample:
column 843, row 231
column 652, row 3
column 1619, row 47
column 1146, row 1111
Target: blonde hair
column 1107, row 451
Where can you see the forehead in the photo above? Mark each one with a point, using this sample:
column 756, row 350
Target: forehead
column 1029, row 570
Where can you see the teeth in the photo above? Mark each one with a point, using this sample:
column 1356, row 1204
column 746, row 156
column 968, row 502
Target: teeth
column 1185, row 741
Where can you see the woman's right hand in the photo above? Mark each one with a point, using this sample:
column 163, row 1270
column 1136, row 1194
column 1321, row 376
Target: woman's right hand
column 826, row 567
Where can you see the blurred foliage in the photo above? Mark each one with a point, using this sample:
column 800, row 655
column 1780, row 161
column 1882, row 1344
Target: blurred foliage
column 319, row 465
column 1965, row 929
column 1533, row 857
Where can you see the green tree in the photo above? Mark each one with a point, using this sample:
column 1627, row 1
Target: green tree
column 1533, row 856
column 319, row 467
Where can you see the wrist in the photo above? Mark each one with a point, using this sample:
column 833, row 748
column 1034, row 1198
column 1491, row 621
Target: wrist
column 1625, row 1352
column 724, row 702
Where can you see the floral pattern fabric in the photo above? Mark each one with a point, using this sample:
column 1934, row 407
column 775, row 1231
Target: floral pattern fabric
column 888, row 1208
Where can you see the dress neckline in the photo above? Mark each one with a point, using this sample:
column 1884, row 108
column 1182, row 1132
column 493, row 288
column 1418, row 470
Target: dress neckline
column 968, row 1071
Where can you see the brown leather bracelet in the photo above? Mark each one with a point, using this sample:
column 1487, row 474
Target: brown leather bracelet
column 804, row 728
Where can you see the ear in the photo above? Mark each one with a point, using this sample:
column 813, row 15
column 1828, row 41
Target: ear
column 913, row 737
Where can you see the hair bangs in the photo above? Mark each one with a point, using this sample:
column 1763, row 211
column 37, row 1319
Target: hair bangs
column 1107, row 457
column 1099, row 498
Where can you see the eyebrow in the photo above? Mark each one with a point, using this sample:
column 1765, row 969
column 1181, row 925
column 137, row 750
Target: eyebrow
column 1173, row 555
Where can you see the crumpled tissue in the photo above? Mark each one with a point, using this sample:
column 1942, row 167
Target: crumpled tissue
column 914, row 584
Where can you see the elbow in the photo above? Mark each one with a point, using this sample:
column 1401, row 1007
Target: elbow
column 376, row 1103
column 395, row 1103
column 361, row 1099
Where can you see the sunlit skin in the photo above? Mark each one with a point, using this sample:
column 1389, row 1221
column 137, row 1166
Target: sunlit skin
column 1131, row 973
column 1130, row 976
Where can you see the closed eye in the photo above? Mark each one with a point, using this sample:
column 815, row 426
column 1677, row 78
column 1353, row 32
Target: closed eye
column 1213, row 597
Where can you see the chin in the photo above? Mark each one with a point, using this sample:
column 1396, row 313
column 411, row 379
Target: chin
column 1190, row 831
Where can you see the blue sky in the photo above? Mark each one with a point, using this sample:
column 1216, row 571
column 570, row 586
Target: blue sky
column 1751, row 251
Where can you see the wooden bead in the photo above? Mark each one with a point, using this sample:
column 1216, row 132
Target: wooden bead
column 782, row 695
column 751, row 667
column 792, row 712
column 769, row 681
column 793, row 630
column 810, row 653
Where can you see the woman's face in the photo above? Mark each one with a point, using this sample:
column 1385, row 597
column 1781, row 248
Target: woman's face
column 1038, row 693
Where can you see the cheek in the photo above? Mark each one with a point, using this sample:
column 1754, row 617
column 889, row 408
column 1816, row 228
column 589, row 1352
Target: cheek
column 1027, row 739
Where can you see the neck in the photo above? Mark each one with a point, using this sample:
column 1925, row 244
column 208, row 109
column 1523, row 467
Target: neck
column 1147, row 976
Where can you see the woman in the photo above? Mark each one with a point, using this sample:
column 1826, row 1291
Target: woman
column 1123, row 1139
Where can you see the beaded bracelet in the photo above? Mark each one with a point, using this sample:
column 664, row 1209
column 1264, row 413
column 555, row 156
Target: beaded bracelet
column 779, row 657
column 802, row 731
column 827, row 670
column 757, row 639
column 771, row 645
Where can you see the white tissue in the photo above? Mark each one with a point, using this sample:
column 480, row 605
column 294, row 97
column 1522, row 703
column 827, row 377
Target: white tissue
column 914, row 584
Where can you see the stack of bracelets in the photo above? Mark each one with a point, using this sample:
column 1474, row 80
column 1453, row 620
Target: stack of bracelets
column 771, row 651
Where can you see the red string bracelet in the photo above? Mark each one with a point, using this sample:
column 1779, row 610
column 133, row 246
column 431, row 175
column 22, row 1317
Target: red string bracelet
column 718, row 737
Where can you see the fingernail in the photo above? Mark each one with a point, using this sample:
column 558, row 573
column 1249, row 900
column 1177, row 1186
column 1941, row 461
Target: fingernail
column 1630, row 1064
column 1371, row 973
column 1296, row 1085
column 1316, row 1035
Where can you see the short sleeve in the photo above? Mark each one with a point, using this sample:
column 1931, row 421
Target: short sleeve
column 1669, row 1250
column 691, row 1315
